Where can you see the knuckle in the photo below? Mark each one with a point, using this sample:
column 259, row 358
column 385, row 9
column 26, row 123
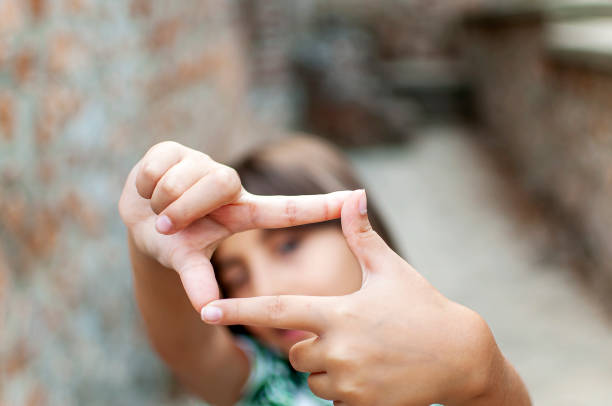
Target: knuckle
column 326, row 210
column 149, row 171
column 365, row 233
column 161, row 148
column 314, row 385
column 348, row 389
column 164, row 146
column 291, row 211
column 254, row 214
column 343, row 311
column 227, row 178
column 320, row 385
column 365, row 229
column 171, row 188
column 337, row 356
column 276, row 308
column 203, row 157
column 234, row 311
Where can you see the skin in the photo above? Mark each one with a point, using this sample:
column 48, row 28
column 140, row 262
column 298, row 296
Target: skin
column 366, row 349
column 314, row 261
column 378, row 333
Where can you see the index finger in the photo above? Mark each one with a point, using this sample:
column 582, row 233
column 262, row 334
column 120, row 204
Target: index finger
column 284, row 311
column 253, row 211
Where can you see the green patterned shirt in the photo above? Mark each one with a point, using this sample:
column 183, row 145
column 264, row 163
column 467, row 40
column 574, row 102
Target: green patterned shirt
column 273, row 382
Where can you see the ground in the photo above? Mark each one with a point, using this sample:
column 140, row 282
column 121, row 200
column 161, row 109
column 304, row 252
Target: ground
column 449, row 209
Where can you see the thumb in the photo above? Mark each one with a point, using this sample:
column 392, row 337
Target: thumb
column 369, row 248
column 198, row 278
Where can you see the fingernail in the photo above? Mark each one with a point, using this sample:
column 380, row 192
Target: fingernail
column 211, row 314
column 363, row 203
column 163, row 224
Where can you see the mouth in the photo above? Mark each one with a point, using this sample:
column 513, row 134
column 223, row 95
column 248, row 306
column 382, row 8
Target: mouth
column 291, row 335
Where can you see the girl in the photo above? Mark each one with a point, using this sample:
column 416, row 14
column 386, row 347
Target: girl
column 366, row 326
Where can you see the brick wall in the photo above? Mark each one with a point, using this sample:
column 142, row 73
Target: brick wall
column 85, row 87
column 550, row 120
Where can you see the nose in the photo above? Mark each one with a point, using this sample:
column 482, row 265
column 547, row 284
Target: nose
column 266, row 280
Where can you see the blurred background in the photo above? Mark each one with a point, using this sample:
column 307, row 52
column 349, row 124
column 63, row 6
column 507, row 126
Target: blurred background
column 481, row 127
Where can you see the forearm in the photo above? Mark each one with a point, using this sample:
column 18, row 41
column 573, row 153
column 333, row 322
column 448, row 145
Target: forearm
column 204, row 357
column 173, row 326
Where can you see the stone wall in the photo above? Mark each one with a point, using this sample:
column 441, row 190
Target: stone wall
column 549, row 119
column 355, row 71
column 85, row 87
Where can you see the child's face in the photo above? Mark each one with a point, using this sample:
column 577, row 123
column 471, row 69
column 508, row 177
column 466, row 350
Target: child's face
column 313, row 261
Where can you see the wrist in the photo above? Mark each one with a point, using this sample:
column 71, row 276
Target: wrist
column 492, row 378
column 485, row 364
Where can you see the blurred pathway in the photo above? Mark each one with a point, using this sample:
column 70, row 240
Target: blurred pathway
column 445, row 204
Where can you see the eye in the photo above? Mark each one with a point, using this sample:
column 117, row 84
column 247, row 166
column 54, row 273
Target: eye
column 234, row 278
column 288, row 245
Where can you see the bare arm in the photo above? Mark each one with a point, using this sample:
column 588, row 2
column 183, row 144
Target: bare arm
column 203, row 357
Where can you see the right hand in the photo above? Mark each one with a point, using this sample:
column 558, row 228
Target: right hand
column 178, row 205
column 396, row 341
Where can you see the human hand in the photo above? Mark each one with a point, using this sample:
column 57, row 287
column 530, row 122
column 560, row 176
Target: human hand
column 178, row 204
column 396, row 341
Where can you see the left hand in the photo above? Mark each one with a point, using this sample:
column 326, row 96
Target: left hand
column 201, row 203
column 396, row 341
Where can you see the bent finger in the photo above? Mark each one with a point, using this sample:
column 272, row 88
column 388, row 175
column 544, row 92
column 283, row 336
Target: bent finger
column 307, row 356
column 287, row 312
column 198, row 279
column 217, row 188
column 321, row 385
column 178, row 179
column 156, row 162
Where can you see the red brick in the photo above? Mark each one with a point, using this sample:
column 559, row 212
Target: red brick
column 11, row 16
column 36, row 397
column 140, row 8
column 24, row 65
column 164, row 34
column 37, row 8
column 43, row 232
column 74, row 5
column 184, row 74
column 4, row 272
column 18, row 358
column 7, row 116
column 59, row 104
column 73, row 206
column 66, row 53
column 46, row 171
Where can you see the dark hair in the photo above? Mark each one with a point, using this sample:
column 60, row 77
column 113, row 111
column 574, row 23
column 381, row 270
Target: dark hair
column 302, row 165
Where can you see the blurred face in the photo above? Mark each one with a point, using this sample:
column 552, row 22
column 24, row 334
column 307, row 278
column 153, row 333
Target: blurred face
column 307, row 260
